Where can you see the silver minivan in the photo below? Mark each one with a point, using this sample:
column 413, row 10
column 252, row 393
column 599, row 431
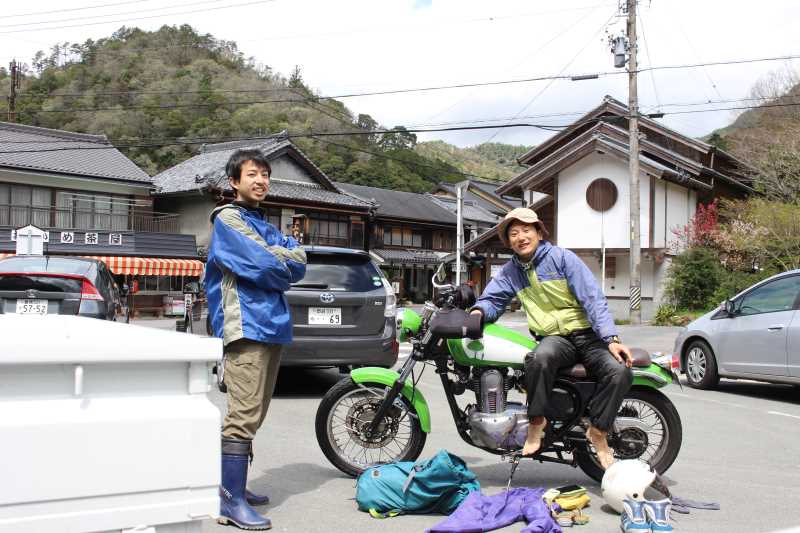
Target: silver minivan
column 754, row 335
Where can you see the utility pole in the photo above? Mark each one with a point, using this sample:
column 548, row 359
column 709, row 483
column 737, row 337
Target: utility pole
column 635, row 302
column 12, row 97
column 459, row 232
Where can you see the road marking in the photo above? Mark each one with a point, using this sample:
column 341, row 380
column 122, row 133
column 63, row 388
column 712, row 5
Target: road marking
column 782, row 414
column 726, row 404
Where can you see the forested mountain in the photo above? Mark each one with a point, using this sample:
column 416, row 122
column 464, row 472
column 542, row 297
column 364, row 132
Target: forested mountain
column 159, row 95
column 768, row 136
column 489, row 160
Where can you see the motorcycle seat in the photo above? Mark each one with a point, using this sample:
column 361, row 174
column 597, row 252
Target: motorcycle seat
column 640, row 359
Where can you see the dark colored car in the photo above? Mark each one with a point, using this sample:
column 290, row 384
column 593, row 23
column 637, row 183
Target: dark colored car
column 53, row 285
column 343, row 312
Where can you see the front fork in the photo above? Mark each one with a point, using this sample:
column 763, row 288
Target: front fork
column 392, row 394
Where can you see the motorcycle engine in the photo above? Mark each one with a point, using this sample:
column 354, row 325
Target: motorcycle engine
column 495, row 422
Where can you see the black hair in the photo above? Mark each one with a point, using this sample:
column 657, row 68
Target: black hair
column 234, row 167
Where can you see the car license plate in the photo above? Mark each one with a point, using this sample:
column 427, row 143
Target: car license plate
column 31, row 307
column 325, row 315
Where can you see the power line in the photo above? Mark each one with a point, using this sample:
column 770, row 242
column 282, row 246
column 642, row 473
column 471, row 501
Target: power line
column 95, row 6
column 467, row 124
column 18, row 24
column 138, row 18
column 557, row 36
column 439, row 87
column 369, row 29
column 414, row 163
column 571, row 61
column 154, row 143
column 649, row 61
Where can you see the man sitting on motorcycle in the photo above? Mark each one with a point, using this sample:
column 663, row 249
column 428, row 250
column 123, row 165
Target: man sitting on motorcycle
column 568, row 314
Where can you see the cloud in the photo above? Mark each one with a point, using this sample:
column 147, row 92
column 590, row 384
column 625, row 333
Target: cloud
column 419, row 4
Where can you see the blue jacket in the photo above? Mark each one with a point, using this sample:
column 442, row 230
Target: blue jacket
column 557, row 290
column 250, row 265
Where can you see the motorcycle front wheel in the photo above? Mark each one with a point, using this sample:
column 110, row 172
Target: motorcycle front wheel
column 344, row 415
column 654, row 436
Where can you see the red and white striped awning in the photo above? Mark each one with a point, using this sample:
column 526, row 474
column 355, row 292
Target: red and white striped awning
column 147, row 266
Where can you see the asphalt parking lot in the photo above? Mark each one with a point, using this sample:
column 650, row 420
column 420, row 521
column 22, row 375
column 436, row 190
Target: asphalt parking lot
column 739, row 449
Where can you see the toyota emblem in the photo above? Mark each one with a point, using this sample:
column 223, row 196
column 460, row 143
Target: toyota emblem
column 327, row 297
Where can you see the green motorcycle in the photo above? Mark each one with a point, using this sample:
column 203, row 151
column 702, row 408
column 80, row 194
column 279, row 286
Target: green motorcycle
column 376, row 415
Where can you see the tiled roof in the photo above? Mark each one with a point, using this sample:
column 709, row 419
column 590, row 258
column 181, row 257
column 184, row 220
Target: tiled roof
column 478, row 200
column 409, row 255
column 207, row 169
column 401, row 204
column 310, row 193
column 469, row 211
column 64, row 152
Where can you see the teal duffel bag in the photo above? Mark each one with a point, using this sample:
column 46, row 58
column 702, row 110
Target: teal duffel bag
column 436, row 485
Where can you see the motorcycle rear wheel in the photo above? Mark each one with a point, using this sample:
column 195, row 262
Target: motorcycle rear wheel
column 344, row 414
column 652, row 408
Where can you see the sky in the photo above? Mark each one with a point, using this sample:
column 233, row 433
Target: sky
column 356, row 46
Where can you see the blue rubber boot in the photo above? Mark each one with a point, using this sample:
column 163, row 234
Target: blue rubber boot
column 233, row 506
column 256, row 499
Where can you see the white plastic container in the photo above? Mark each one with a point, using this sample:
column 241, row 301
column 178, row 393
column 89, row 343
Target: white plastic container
column 105, row 427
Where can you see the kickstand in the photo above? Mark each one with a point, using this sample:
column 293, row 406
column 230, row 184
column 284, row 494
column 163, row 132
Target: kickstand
column 514, row 459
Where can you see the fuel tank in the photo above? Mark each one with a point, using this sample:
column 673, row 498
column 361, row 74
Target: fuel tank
column 500, row 346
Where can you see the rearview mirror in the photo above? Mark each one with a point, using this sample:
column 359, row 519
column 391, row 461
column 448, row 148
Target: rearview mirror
column 729, row 307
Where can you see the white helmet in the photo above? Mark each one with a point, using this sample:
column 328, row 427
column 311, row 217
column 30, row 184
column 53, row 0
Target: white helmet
column 626, row 479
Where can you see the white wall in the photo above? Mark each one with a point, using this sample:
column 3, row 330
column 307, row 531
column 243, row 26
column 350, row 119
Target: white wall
column 73, row 182
column 619, row 285
column 579, row 226
column 681, row 206
column 194, row 219
column 284, row 168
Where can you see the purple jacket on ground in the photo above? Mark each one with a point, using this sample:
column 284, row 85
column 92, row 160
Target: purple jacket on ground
column 478, row 513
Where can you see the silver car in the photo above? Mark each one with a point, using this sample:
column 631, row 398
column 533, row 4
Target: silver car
column 754, row 335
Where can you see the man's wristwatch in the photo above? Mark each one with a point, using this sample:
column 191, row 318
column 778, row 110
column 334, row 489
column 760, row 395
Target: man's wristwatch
column 613, row 339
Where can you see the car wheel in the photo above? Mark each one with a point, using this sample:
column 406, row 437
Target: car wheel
column 701, row 366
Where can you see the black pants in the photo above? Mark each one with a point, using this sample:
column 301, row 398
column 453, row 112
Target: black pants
column 613, row 378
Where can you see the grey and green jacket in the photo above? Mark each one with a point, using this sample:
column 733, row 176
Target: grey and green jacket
column 557, row 290
column 250, row 265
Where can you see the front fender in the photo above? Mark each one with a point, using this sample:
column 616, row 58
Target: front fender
column 387, row 377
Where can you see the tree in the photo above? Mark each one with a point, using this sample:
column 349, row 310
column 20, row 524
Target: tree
column 296, row 79
column 768, row 137
column 399, row 139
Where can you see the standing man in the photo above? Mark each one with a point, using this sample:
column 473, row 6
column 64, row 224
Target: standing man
column 568, row 314
column 250, row 265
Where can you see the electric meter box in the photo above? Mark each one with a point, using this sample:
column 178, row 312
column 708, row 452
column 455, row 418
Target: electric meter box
column 106, row 427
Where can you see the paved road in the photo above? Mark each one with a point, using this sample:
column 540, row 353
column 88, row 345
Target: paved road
column 740, row 448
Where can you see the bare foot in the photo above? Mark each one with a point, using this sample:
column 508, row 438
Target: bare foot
column 534, row 439
column 599, row 440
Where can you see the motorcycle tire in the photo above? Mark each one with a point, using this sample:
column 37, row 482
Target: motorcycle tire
column 667, row 451
column 371, row 395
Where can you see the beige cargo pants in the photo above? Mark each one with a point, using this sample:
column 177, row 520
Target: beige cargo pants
column 251, row 369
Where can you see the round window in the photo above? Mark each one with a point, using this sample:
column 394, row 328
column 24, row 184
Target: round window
column 601, row 195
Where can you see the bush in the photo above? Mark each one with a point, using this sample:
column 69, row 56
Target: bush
column 669, row 315
column 693, row 278
column 733, row 282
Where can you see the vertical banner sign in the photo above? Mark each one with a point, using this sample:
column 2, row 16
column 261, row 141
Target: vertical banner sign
column 636, row 297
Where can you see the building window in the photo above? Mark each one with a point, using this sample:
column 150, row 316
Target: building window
column 402, row 236
column 328, row 228
column 601, row 195
column 21, row 205
column 444, row 240
column 611, row 267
